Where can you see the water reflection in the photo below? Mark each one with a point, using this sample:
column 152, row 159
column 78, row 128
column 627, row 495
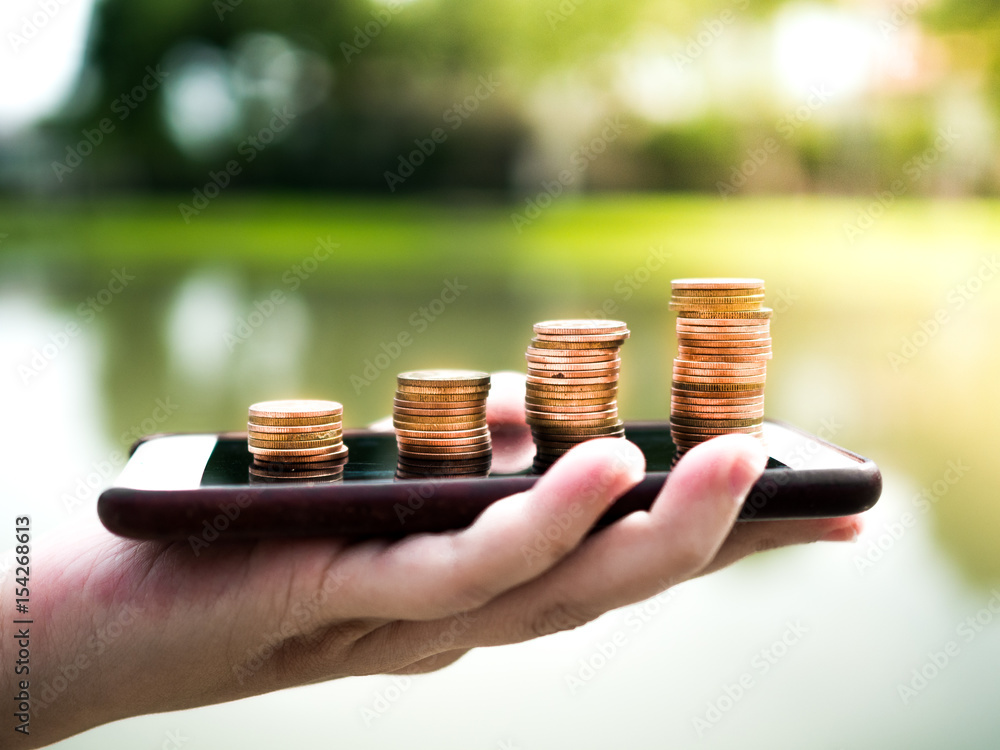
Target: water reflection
column 875, row 611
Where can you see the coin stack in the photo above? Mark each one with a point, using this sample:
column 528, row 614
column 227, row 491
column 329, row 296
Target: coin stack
column 724, row 342
column 440, row 421
column 572, row 393
column 296, row 440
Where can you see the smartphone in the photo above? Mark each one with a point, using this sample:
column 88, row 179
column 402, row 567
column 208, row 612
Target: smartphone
column 183, row 487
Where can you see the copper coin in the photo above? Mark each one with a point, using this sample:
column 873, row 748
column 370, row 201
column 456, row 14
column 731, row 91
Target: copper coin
column 589, row 327
column 445, row 433
column 724, row 304
column 294, row 429
column 543, row 426
column 327, row 451
column 726, row 411
column 476, row 411
column 584, row 376
column 457, row 427
column 563, row 344
column 681, row 378
column 719, row 292
column 446, row 399
column 597, row 338
column 321, row 458
column 436, row 405
column 699, row 373
column 555, row 363
column 574, row 355
column 438, row 418
column 293, row 421
column 569, row 416
column 717, row 387
column 580, row 394
column 723, row 332
column 405, row 391
column 567, row 404
column 539, row 409
column 714, row 343
column 763, row 314
column 448, row 378
column 295, row 445
column 291, row 437
column 555, row 380
column 615, row 427
column 716, row 423
column 713, row 365
column 296, row 408
column 695, row 400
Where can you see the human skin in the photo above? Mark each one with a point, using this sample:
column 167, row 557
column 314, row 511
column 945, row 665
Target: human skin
column 245, row 618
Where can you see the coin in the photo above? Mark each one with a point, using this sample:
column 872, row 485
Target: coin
column 293, row 429
column 295, row 408
column 723, row 344
column 446, row 378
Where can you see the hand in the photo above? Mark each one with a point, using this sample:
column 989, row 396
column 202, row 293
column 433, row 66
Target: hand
column 127, row 628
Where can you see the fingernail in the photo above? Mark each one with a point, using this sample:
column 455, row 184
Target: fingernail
column 845, row 534
column 746, row 470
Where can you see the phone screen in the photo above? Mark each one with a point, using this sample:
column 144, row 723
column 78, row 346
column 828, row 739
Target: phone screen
column 372, row 457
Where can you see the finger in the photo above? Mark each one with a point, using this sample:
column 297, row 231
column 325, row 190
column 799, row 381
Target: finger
column 517, row 538
column 433, row 663
column 629, row 561
column 760, row 536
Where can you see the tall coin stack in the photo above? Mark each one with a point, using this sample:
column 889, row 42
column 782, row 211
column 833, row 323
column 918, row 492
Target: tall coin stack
column 572, row 392
column 724, row 342
column 440, row 421
column 296, row 440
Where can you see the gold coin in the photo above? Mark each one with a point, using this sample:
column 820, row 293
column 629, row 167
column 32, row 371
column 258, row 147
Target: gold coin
column 293, row 421
column 718, row 387
column 593, row 327
column 720, row 292
column 292, row 445
column 446, row 399
column 571, row 355
column 445, row 433
column 309, row 429
column 763, row 314
column 406, row 391
column 555, row 380
column 716, row 423
column 296, row 409
column 295, row 437
column 572, row 365
column 447, row 378
column 476, row 411
column 327, row 452
column 563, row 344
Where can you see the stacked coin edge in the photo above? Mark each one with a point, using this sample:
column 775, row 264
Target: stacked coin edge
column 439, row 417
column 296, row 440
column 572, row 385
column 720, row 372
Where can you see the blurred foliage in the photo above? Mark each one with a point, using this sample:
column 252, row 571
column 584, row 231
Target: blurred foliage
column 388, row 73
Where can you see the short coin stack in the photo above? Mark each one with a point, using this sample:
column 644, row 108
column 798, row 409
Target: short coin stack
column 572, row 392
column 296, row 440
column 724, row 342
column 440, row 421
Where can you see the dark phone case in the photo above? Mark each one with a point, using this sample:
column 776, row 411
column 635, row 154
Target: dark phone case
column 394, row 509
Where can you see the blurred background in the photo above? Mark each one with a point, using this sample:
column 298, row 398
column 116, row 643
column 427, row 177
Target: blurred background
column 204, row 204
